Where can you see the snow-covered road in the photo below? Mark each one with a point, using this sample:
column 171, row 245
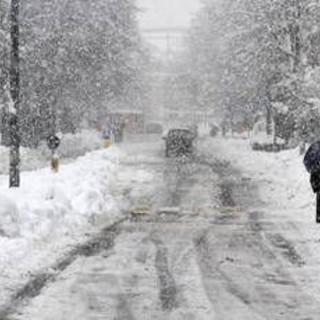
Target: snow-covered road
column 205, row 251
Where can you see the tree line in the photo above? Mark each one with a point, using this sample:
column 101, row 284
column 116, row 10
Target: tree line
column 246, row 58
column 78, row 60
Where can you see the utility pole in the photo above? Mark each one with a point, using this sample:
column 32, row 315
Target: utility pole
column 14, row 104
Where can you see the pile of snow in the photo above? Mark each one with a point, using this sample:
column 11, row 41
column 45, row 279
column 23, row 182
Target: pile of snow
column 51, row 211
column 45, row 200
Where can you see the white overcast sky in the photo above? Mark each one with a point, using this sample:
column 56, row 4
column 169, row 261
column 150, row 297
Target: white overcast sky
column 166, row 14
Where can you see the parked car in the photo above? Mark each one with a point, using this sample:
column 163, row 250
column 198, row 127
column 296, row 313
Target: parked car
column 179, row 142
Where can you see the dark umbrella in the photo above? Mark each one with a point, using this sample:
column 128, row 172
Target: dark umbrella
column 311, row 159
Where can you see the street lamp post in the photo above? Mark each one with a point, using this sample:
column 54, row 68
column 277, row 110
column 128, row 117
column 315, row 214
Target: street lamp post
column 14, row 172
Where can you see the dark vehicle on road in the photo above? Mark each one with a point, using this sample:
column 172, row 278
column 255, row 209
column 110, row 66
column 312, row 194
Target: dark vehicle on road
column 179, row 142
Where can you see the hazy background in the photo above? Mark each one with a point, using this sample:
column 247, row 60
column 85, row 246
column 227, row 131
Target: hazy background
column 166, row 15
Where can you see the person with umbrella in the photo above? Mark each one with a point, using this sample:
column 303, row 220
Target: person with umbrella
column 311, row 161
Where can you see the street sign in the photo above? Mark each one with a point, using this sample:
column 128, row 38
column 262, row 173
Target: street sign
column 53, row 142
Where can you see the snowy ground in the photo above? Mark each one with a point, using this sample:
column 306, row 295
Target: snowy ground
column 265, row 256
column 282, row 179
column 51, row 212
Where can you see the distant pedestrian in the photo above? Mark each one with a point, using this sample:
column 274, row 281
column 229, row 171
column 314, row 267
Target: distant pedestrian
column 118, row 131
column 121, row 130
column 108, row 137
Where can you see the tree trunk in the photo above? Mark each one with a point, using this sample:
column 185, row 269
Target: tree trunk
column 14, row 171
column 295, row 37
column 269, row 122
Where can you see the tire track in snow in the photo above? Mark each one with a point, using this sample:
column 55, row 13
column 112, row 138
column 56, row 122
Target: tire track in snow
column 214, row 278
column 104, row 240
column 168, row 289
column 243, row 265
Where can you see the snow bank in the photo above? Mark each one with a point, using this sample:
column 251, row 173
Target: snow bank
column 51, row 211
column 75, row 195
